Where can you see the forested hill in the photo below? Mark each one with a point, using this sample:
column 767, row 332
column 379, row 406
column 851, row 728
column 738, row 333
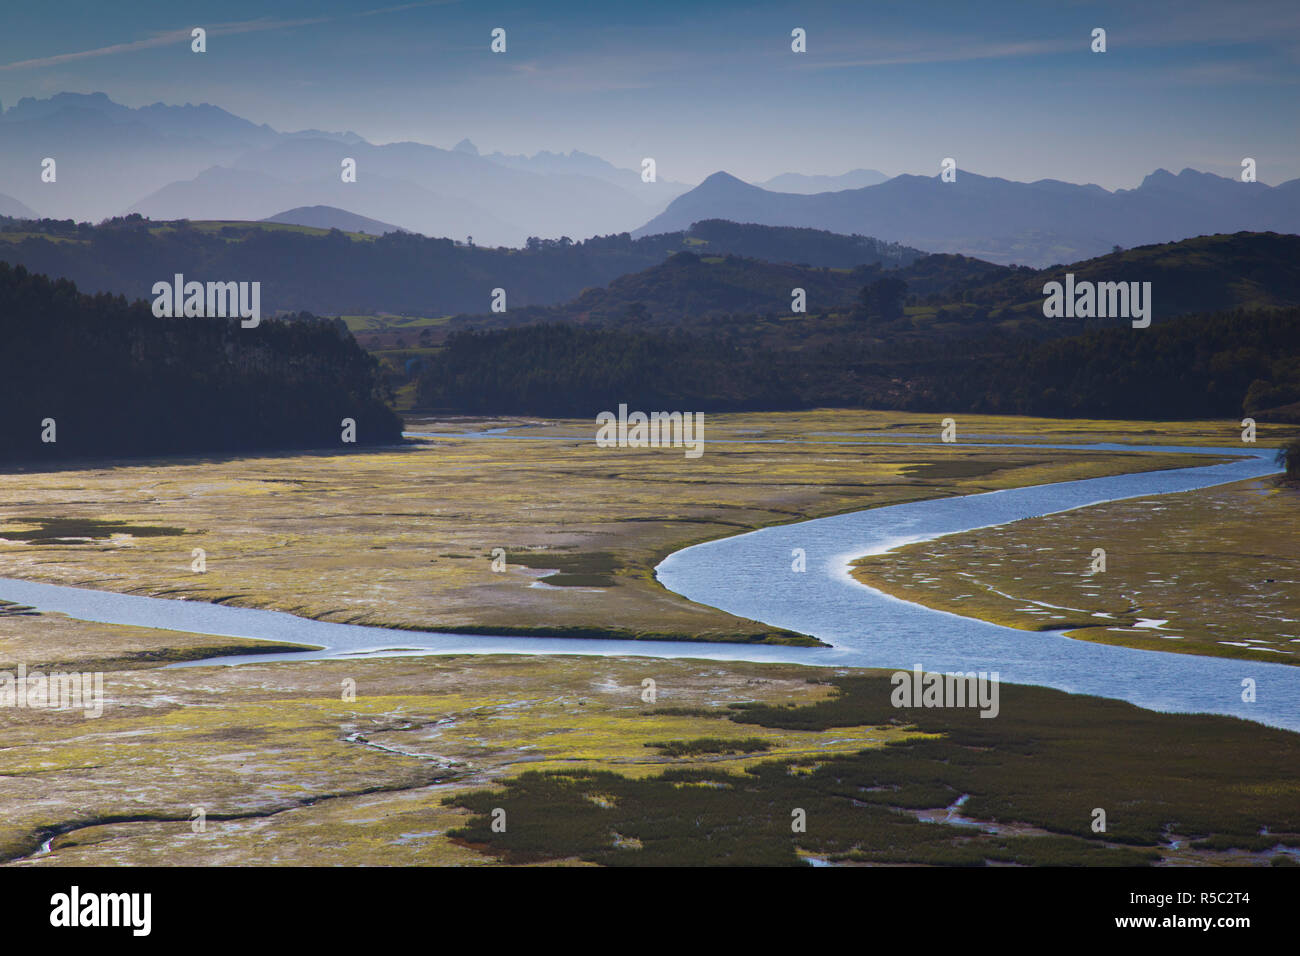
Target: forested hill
column 691, row 288
column 104, row 377
column 1206, row 273
column 980, row 343
column 950, row 293
column 336, row 273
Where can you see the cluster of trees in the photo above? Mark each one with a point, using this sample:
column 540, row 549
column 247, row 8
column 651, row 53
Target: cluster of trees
column 1288, row 457
column 103, row 376
column 881, row 300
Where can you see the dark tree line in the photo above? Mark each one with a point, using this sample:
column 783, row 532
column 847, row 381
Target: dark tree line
column 1196, row 367
column 568, row 370
column 1226, row 364
column 117, row 381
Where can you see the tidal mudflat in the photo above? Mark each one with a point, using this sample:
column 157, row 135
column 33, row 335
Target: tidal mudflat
column 277, row 764
column 404, row 760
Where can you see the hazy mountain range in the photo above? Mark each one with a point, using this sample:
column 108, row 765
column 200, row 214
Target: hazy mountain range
column 1036, row 224
column 201, row 162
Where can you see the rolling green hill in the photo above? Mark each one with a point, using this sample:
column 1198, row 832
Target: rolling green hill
column 334, row 273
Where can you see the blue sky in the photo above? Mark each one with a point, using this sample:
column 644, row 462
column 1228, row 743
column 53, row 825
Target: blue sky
column 1007, row 88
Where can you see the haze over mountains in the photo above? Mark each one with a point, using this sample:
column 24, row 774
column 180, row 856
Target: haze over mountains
column 110, row 155
column 201, row 162
column 13, row 208
column 799, row 183
column 576, row 162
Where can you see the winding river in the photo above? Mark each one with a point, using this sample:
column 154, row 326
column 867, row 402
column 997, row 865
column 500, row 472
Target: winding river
column 750, row 575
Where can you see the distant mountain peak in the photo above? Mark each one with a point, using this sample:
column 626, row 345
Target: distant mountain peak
column 331, row 217
column 30, row 107
column 465, row 146
column 76, row 98
column 1187, row 177
column 723, row 184
column 723, row 178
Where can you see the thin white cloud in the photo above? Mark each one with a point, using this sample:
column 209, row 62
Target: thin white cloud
column 1212, row 24
column 165, row 38
column 944, row 54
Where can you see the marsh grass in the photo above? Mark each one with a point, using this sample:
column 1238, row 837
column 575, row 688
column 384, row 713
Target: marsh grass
column 1032, row 778
column 1219, row 566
